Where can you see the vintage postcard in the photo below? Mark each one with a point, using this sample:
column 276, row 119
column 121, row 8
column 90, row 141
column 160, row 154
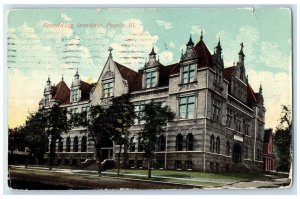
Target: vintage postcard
column 149, row 98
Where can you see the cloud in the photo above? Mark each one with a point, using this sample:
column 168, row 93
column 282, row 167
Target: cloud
column 196, row 30
column 271, row 56
column 276, row 91
column 166, row 57
column 167, row 25
column 65, row 17
column 172, row 44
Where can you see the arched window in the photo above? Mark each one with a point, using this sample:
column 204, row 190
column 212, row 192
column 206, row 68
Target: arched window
column 218, row 145
column 83, row 144
column 140, row 144
column 60, row 145
column 190, row 142
column 246, row 152
column 227, row 148
column 132, row 145
column 75, row 144
column 68, row 144
column 179, row 142
column 212, row 143
column 161, row 143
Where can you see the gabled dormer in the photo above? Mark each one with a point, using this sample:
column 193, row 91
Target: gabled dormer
column 75, row 95
column 188, row 64
column 151, row 71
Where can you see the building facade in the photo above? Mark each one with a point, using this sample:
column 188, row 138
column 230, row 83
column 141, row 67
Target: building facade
column 219, row 121
column 268, row 155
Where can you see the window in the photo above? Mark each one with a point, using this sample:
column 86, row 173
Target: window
column 218, row 145
column 216, row 110
column 83, row 144
column 259, row 132
column 161, row 143
column 68, row 144
column 108, row 89
column 150, row 80
column 186, row 107
column 229, row 116
column 131, row 164
column 140, row 164
column 160, row 164
column 227, row 148
column 74, row 95
column 189, row 165
column 60, row 145
column 75, row 144
column 246, row 127
column 212, row 143
column 179, row 142
column 139, row 111
column 47, row 100
column 178, row 164
column 238, row 123
column 188, row 73
column 140, row 145
column 190, row 142
column 132, row 145
column 246, row 152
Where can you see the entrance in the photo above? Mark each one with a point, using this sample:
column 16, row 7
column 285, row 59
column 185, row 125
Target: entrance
column 237, row 153
column 107, row 149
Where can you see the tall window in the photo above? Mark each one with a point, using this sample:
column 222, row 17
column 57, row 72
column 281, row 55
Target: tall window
column 246, row 152
column 108, row 89
column 75, row 144
column 216, row 110
column 139, row 112
column 227, row 148
column 229, row 116
column 60, row 145
column 47, row 100
column 246, row 127
column 150, row 80
column 186, row 107
column 238, row 123
column 68, row 144
column 188, row 73
column 140, row 145
column 161, row 143
column 83, row 144
column 179, row 142
column 218, row 145
column 212, row 143
column 132, row 145
column 74, row 95
column 190, row 142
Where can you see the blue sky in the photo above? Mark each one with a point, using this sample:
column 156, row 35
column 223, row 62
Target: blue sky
column 34, row 51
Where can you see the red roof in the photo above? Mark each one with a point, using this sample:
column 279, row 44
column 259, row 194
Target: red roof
column 85, row 90
column 127, row 73
column 227, row 72
column 205, row 58
column 61, row 92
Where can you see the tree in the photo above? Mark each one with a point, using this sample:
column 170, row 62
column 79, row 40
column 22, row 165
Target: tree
column 35, row 134
column 282, row 139
column 155, row 117
column 99, row 126
column 56, row 123
column 123, row 117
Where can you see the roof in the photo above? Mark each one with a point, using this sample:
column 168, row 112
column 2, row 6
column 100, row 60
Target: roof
column 227, row 72
column 61, row 92
column 205, row 57
column 85, row 90
column 127, row 74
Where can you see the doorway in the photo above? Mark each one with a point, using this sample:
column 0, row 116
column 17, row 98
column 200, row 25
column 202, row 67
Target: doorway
column 237, row 153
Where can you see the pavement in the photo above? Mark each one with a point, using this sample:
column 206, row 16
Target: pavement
column 273, row 182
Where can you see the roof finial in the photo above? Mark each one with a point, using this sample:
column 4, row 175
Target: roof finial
column 181, row 54
column 76, row 74
column 260, row 88
column 48, row 81
column 110, row 49
column 158, row 58
column 201, row 36
column 152, row 51
column 190, row 43
column 241, row 51
column 62, row 77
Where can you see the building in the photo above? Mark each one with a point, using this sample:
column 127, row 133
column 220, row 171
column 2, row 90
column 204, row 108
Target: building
column 268, row 155
column 219, row 120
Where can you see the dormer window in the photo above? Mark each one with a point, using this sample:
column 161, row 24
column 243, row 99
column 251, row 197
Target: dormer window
column 74, row 95
column 108, row 89
column 188, row 73
column 47, row 100
column 150, row 80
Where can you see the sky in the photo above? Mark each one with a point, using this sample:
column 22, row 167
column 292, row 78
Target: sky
column 55, row 42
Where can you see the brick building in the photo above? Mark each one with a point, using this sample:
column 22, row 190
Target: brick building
column 268, row 155
column 219, row 120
